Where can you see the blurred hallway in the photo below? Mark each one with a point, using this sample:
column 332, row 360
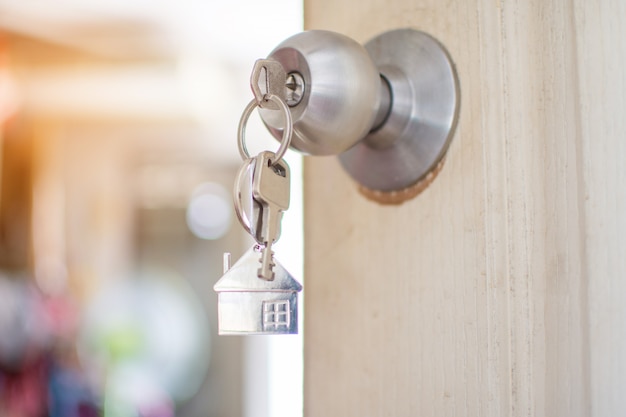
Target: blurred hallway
column 117, row 156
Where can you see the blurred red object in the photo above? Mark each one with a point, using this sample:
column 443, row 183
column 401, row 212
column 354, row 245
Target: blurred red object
column 25, row 393
column 23, row 359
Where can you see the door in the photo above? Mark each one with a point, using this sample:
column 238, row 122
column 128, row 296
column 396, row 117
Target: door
column 499, row 290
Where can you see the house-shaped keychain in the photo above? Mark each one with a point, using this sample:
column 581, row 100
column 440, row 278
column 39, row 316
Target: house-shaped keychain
column 250, row 305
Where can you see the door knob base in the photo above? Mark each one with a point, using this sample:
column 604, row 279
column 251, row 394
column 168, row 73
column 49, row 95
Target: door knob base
column 397, row 197
column 397, row 156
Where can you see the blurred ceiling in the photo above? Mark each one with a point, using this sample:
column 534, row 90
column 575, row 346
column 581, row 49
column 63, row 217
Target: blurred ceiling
column 232, row 30
column 164, row 61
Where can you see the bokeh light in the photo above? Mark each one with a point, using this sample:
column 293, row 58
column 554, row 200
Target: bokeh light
column 209, row 213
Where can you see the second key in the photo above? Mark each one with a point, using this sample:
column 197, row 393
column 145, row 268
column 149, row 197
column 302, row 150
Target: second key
column 270, row 188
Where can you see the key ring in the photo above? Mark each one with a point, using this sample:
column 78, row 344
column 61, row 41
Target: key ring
column 249, row 164
column 287, row 132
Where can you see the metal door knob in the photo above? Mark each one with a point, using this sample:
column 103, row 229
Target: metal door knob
column 388, row 109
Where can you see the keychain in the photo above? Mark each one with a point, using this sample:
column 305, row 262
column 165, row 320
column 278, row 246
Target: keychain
column 257, row 295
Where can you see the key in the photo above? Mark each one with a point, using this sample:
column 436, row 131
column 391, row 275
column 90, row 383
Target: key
column 270, row 187
column 268, row 78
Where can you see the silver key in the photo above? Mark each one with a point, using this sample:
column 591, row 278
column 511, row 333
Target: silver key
column 270, row 187
column 268, row 78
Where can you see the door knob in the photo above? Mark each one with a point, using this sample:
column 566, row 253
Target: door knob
column 387, row 109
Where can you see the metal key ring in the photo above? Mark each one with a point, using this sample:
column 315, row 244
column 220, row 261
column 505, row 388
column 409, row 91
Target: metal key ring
column 243, row 219
column 287, row 132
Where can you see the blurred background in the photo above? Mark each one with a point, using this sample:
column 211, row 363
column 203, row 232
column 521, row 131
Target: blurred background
column 117, row 157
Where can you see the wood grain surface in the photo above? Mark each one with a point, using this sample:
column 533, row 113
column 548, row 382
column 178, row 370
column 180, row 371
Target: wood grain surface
column 500, row 290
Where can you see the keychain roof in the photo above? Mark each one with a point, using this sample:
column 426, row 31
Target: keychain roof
column 242, row 276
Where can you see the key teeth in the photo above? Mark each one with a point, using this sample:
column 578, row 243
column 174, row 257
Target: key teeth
column 266, row 271
column 271, row 264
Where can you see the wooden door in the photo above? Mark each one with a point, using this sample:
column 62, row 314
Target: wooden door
column 501, row 289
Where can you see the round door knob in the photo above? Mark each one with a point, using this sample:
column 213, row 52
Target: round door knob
column 339, row 95
column 388, row 109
